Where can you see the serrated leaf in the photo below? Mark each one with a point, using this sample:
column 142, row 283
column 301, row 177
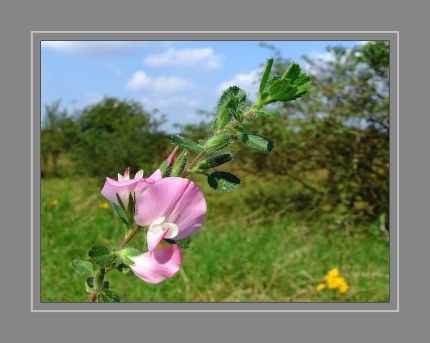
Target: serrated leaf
column 214, row 161
column 82, row 267
column 266, row 74
column 231, row 102
column 279, row 88
column 98, row 250
column 186, row 143
column 183, row 243
column 292, row 73
column 102, row 261
column 292, row 85
column 108, row 296
column 224, row 182
column 257, row 141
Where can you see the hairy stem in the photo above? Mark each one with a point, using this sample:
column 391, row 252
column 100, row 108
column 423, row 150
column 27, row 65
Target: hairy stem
column 233, row 124
column 105, row 269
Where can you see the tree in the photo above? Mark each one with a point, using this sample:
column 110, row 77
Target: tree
column 334, row 142
column 114, row 135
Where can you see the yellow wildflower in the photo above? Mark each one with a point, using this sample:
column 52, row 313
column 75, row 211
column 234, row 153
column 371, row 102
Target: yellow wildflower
column 334, row 281
column 104, row 205
column 320, row 287
column 333, row 273
column 53, row 202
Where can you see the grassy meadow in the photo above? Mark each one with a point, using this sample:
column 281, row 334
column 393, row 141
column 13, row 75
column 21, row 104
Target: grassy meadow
column 240, row 254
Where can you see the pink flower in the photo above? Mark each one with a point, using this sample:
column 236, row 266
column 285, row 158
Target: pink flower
column 173, row 208
column 124, row 186
column 156, row 266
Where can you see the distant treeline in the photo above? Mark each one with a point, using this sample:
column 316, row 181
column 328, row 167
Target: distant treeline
column 331, row 152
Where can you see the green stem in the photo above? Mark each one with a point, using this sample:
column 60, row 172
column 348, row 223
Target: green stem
column 233, row 124
column 99, row 278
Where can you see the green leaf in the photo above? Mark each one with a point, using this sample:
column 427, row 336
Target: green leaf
column 238, row 129
column 217, row 142
column 102, row 261
column 130, row 207
column 129, row 252
column 257, row 141
column 89, row 284
column 120, row 212
column 124, row 268
column 120, row 203
column 279, row 88
column 230, row 103
column 98, row 250
column 292, row 73
column 224, row 182
column 126, row 253
column 268, row 113
column 179, row 165
column 186, row 143
column 183, row 243
column 214, row 161
column 266, row 75
column 82, row 267
column 292, row 85
column 100, row 255
column 165, row 170
column 108, row 296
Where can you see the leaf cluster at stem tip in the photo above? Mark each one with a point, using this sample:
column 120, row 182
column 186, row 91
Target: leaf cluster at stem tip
column 227, row 129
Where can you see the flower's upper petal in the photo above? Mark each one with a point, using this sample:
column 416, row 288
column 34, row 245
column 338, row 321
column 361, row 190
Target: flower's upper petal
column 156, row 176
column 156, row 266
column 139, row 174
column 179, row 200
column 122, row 188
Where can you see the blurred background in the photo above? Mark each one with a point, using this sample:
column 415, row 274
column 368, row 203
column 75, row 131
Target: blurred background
column 317, row 202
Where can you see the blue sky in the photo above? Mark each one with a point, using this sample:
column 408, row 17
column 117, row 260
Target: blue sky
column 177, row 78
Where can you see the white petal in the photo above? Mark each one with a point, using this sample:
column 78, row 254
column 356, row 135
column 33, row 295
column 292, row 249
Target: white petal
column 139, row 174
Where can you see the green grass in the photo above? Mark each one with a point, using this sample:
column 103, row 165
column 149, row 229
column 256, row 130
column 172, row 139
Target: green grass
column 237, row 256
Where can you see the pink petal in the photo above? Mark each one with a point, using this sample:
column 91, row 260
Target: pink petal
column 155, row 238
column 156, row 176
column 156, row 266
column 172, row 156
column 179, row 200
column 123, row 188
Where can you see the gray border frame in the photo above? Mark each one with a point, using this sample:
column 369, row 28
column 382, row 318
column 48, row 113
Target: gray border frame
column 391, row 36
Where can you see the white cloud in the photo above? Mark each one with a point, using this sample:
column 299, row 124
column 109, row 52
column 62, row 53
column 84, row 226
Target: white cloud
column 199, row 57
column 248, row 82
column 92, row 98
column 166, row 102
column 141, row 81
column 320, row 59
column 91, row 47
column 115, row 69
